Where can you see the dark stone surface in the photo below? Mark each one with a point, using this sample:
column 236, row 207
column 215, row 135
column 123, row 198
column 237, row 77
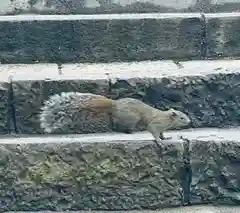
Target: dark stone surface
column 100, row 40
column 223, row 37
column 215, row 172
column 97, row 176
column 6, row 118
column 35, row 92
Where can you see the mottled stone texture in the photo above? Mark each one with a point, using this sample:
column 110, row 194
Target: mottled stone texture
column 6, row 118
column 215, row 172
column 210, row 101
column 223, row 36
column 30, row 95
column 97, row 176
column 100, row 40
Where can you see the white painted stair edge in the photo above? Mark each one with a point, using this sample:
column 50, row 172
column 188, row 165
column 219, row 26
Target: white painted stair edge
column 203, row 134
column 117, row 70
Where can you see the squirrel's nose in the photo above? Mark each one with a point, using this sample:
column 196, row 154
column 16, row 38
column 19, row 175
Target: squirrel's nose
column 189, row 123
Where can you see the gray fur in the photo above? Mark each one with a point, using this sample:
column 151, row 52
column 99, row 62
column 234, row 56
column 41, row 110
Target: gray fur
column 59, row 110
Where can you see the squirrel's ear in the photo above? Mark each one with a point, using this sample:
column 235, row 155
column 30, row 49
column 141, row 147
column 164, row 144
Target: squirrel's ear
column 173, row 113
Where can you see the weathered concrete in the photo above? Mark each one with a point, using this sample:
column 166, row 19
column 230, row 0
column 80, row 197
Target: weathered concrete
column 214, row 161
column 117, row 6
column 8, row 5
column 118, row 37
column 210, row 96
column 99, row 38
column 80, row 173
column 186, row 209
column 215, row 171
column 223, row 35
column 118, row 171
column 6, row 124
column 5, row 113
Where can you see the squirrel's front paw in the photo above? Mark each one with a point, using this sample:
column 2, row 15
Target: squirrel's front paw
column 164, row 138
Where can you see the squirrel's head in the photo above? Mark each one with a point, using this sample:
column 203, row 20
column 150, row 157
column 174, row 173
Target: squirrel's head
column 179, row 119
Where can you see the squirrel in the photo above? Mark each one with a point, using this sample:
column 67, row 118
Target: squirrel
column 125, row 111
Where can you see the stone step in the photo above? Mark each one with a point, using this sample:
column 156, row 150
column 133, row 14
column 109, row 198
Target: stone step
column 119, row 172
column 99, row 38
column 118, row 37
column 208, row 91
column 187, row 209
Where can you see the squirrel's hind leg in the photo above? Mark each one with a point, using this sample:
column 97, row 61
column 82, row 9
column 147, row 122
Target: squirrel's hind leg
column 121, row 128
column 124, row 126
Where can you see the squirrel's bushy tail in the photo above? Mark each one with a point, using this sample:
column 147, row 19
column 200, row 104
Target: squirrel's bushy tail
column 61, row 109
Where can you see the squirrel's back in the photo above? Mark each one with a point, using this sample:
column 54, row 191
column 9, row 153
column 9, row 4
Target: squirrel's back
column 131, row 110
